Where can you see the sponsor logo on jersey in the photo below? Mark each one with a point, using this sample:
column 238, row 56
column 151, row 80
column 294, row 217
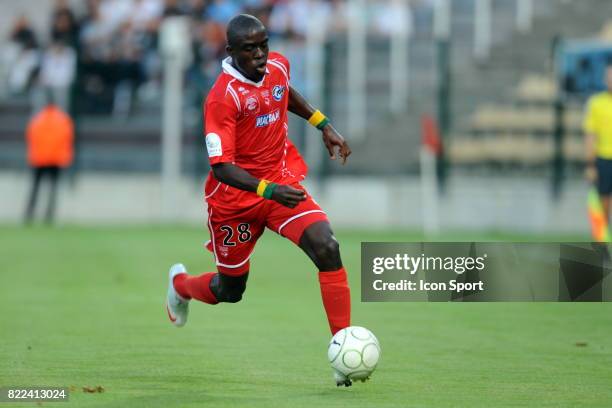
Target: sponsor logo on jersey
column 267, row 119
column 213, row 145
column 251, row 104
column 278, row 92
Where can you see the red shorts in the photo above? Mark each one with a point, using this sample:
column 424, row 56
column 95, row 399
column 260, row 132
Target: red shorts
column 235, row 233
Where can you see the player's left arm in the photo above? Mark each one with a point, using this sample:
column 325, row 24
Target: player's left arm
column 333, row 140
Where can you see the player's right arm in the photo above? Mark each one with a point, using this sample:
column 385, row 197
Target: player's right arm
column 239, row 178
column 220, row 122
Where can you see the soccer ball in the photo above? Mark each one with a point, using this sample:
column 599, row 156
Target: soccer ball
column 353, row 352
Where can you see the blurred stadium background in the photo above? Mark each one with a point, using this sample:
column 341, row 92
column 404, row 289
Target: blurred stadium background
column 488, row 76
column 499, row 84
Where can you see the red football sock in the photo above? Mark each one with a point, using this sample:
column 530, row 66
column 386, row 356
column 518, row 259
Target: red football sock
column 195, row 287
column 336, row 299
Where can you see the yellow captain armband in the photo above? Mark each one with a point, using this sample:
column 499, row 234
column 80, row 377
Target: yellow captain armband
column 262, row 187
column 318, row 120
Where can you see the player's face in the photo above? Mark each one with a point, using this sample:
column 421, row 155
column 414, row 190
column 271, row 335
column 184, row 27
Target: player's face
column 251, row 55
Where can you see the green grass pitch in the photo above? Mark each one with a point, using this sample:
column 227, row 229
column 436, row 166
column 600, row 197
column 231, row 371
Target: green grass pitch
column 85, row 307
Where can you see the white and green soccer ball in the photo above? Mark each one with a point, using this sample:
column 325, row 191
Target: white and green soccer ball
column 354, row 352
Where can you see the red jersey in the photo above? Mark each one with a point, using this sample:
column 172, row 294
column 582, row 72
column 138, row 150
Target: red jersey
column 246, row 124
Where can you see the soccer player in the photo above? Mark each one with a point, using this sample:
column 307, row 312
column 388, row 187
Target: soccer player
column 255, row 179
column 598, row 131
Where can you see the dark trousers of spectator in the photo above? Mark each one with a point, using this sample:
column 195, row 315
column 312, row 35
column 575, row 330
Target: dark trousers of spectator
column 49, row 172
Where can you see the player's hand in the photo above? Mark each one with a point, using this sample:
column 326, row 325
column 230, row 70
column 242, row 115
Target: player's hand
column 335, row 143
column 288, row 196
column 590, row 173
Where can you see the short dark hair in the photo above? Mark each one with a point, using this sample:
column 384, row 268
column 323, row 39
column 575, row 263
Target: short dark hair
column 241, row 26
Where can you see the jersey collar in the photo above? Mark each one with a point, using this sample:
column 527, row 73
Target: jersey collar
column 229, row 69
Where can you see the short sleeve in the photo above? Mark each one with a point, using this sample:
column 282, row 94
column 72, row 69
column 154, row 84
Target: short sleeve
column 220, row 131
column 589, row 125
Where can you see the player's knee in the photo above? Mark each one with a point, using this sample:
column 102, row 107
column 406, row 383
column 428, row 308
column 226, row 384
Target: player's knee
column 227, row 288
column 232, row 294
column 233, row 298
column 326, row 247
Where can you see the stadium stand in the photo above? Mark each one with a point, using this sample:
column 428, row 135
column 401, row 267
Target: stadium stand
column 519, row 129
column 513, row 104
column 140, row 131
column 536, row 90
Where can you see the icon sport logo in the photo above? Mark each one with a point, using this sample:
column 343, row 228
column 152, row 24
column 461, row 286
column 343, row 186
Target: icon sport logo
column 278, row 92
column 267, row 119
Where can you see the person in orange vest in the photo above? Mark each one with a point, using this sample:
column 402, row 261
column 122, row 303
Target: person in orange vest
column 49, row 138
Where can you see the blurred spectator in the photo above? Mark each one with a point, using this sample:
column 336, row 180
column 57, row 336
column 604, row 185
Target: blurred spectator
column 253, row 6
column 287, row 19
column 337, row 18
column 58, row 70
column 209, row 49
column 22, row 55
column 49, row 138
column 144, row 13
column 91, row 9
column 95, row 36
column 23, row 34
column 222, row 11
column 116, row 12
column 115, row 42
column 289, row 29
column 125, row 69
column 64, row 27
column 173, row 8
column 197, row 9
column 389, row 17
column 96, row 44
column 260, row 9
